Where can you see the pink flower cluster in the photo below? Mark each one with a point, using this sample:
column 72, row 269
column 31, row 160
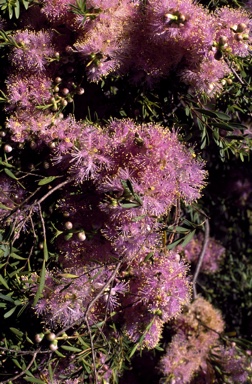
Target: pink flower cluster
column 197, row 331
column 126, row 177
column 212, row 258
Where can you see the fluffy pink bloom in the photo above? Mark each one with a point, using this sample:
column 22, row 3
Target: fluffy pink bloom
column 233, row 31
column 205, row 76
column 197, row 332
column 57, row 10
column 162, row 287
column 105, row 37
column 35, row 48
column 213, row 256
column 90, row 155
column 235, row 364
column 140, row 324
column 25, row 92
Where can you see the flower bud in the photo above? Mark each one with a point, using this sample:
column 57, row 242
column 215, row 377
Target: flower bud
column 51, row 336
column 82, row 236
column 239, row 37
column 64, row 103
column 80, row 91
column 68, row 225
column 223, row 40
column 54, row 345
column 7, row 148
column 58, row 80
column 65, row 91
column 39, row 337
column 241, row 27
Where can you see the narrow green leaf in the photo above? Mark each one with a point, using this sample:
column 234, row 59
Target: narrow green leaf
column 133, row 350
column 58, row 353
column 10, row 312
column 17, row 9
column 45, row 250
column 6, row 298
column 174, row 244
column 129, row 205
column 206, row 112
column 34, row 380
column 223, row 126
column 222, row 116
column 41, row 284
column 16, row 362
column 3, row 282
column 71, row 349
column 2, row 206
column 188, row 238
column 26, row 4
column 10, row 174
column 47, row 180
column 16, row 331
column 68, row 275
column 15, row 256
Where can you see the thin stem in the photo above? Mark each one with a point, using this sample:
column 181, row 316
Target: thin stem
column 201, row 257
column 24, row 371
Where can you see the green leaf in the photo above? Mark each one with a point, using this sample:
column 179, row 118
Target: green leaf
column 41, row 284
column 47, row 180
column 174, row 244
column 16, row 362
column 34, row 380
column 129, row 205
column 15, row 256
column 71, row 349
column 10, row 312
column 26, row 4
column 10, row 174
column 223, row 126
column 68, row 275
column 6, row 164
column 16, row 331
column 188, row 238
column 222, row 116
column 59, row 353
column 6, row 298
column 45, row 250
column 3, row 282
column 2, row 206
column 17, row 9
column 206, row 112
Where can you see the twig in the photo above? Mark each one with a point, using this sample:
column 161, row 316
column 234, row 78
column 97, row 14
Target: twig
column 234, row 71
column 201, row 257
column 92, row 302
column 23, row 372
column 14, row 351
column 90, row 305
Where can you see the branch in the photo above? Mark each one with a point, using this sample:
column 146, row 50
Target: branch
column 201, row 257
column 23, row 372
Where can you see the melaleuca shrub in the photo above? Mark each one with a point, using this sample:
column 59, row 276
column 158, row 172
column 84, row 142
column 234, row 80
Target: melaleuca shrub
column 126, row 177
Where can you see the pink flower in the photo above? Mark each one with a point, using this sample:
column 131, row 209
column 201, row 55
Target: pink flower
column 35, row 48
